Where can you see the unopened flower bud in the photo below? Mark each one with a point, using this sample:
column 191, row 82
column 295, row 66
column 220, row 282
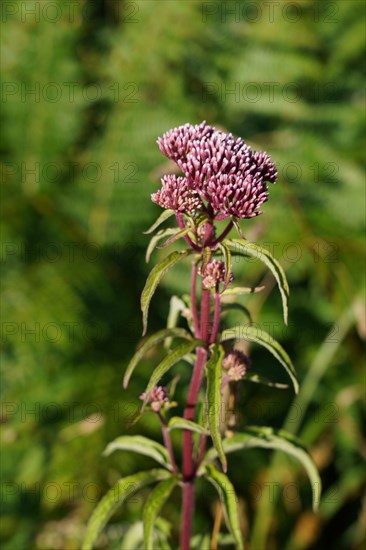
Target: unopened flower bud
column 236, row 363
column 214, row 273
column 157, row 398
column 176, row 195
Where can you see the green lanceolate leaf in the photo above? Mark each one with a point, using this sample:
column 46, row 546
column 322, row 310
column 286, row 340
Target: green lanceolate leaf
column 174, row 356
column 238, row 228
column 153, row 506
column 257, row 379
column 154, row 279
column 200, row 542
column 227, row 493
column 205, row 258
column 238, row 290
column 177, row 235
column 227, row 258
column 254, row 334
column 156, row 238
column 268, row 438
column 214, row 379
column 251, row 249
column 115, row 497
column 149, row 343
column 178, row 423
column 164, row 216
column 142, row 445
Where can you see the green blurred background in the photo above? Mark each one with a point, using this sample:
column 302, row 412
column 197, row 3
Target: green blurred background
column 87, row 86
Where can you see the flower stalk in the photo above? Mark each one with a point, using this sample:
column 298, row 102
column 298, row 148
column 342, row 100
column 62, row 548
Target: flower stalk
column 222, row 178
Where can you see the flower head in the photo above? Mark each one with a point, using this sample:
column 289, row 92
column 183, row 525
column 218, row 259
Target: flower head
column 157, row 398
column 237, row 364
column 214, row 273
column 229, row 175
column 176, row 143
column 175, row 194
column 223, row 170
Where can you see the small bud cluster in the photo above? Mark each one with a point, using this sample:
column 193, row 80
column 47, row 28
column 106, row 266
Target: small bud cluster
column 236, row 363
column 175, row 194
column 157, row 398
column 222, row 170
column 176, row 143
column 214, row 273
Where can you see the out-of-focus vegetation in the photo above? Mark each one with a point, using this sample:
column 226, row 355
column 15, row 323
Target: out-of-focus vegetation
column 87, row 88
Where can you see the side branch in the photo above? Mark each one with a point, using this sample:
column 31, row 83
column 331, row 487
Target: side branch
column 186, row 237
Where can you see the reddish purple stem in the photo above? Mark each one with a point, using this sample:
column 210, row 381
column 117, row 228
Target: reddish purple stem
column 187, row 515
column 188, row 240
column 224, row 233
column 189, row 463
column 202, row 330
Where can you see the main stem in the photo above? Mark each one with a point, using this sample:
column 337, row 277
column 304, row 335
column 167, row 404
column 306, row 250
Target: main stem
column 189, row 464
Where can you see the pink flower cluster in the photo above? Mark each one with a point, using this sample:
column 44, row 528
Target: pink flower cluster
column 157, row 398
column 236, row 363
column 175, row 194
column 214, row 273
column 217, row 168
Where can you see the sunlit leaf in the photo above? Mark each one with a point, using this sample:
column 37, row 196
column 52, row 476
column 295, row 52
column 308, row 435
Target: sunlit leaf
column 268, row 438
column 257, row 379
column 153, row 506
column 115, row 497
column 227, row 258
column 200, row 542
column 238, row 228
column 251, row 249
column 227, row 493
column 213, row 398
column 205, row 258
column 142, row 445
column 158, row 237
column 153, row 280
column 174, row 356
column 149, row 343
column 177, row 235
column 238, row 290
column 178, row 423
column 163, row 216
column 259, row 336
